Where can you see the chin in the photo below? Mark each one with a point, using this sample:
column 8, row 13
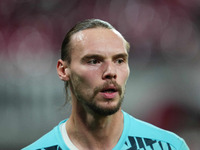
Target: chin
column 106, row 109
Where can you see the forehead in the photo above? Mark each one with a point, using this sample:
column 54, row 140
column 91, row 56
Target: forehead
column 98, row 39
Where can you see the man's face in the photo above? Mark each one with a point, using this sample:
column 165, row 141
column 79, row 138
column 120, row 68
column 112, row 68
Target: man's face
column 98, row 70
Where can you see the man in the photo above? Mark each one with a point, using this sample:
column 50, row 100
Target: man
column 94, row 67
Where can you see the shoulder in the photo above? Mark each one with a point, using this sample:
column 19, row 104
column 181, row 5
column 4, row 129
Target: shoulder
column 50, row 140
column 141, row 130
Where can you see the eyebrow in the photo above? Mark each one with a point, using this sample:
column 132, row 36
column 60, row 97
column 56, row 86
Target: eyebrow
column 101, row 57
column 122, row 55
column 90, row 56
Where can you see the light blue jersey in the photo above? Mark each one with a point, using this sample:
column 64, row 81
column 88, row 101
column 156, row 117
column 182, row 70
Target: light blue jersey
column 136, row 135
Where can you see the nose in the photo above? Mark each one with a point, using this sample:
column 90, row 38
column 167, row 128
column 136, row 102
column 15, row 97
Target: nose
column 109, row 71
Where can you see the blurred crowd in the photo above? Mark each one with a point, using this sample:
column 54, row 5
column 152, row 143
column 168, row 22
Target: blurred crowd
column 164, row 60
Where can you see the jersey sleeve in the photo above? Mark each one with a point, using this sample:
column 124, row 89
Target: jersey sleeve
column 184, row 146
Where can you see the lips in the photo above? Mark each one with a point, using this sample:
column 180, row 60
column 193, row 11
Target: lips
column 109, row 92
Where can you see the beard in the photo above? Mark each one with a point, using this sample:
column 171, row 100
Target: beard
column 89, row 100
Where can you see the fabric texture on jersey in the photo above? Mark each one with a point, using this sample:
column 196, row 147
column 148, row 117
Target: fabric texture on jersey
column 136, row 135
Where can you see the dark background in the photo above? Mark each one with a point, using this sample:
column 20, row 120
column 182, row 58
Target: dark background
column 164, row 85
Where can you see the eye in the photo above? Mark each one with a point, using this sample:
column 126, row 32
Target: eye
column 120, row 60
column 93, row 61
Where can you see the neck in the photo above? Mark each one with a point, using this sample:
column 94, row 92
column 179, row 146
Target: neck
column 90, row 131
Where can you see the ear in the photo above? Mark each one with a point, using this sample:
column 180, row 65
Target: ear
column 63, row 70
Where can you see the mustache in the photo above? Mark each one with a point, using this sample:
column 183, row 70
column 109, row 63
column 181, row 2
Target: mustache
column 106, row 84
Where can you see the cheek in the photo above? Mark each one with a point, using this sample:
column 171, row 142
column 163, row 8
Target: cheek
column 124, row 74
column 94, row 77
column 128, row 73
column 86, row 78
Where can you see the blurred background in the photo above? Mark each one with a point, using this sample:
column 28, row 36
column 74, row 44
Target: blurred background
column 164, row 85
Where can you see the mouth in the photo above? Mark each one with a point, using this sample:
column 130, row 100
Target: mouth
column 109, row 90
